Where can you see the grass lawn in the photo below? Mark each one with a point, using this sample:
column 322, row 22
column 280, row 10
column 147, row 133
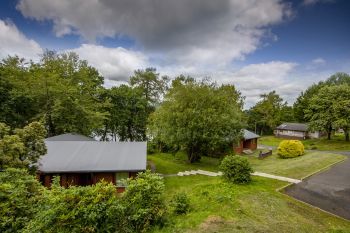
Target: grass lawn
column 169, row 164
column 220, row 207
column 295, row 167
column 337, row 143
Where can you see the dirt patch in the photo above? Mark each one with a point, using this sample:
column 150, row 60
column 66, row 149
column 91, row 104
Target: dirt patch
column 214, row 224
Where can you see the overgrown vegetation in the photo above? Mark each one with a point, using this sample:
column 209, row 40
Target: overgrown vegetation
column 236, row 169
column 290, row 149
column 20, row 196
column 26, row 206
column 180, row 203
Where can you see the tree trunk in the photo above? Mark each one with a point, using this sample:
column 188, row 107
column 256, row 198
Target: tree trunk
column 329, row 132
column 347, row 138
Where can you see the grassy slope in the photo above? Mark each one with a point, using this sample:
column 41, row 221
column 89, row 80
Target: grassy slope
column 257, row 207
column 337, row 143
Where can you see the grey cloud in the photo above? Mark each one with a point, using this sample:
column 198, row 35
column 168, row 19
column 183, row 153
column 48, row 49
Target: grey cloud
column 186, row 31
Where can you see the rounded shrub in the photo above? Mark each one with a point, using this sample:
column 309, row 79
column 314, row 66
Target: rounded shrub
column 290, row 149
column 180, row 203
column 236, row 169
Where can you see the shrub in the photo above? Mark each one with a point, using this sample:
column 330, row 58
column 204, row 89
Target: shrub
column 236, row 169
column 144, row 201
column 93, row 208
column 180, row 203
column 290, row 149
column 20, row 194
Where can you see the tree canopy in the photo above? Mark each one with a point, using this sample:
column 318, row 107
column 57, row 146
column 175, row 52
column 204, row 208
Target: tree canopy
column 199, row 117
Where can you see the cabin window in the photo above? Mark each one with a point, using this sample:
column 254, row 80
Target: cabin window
column 120, row 178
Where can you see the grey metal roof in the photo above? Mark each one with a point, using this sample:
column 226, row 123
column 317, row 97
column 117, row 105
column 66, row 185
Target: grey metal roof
column 249, row 135
column 293, row 126
column 69, row 137
column 93, row 156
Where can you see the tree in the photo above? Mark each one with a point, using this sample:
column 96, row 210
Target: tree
column 152, row 86
column 320, row 110
column 128, row 114
column 17, row 108
column 341, row 108
column 200, row 117
column 24, row 148
column 302, row 102
column 61, row 91
column 268, row 113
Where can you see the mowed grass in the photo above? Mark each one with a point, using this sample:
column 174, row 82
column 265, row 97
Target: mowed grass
column 294, row 168
column 169, row 164
column 217, row 206
column 337, row 143
column 298, row 167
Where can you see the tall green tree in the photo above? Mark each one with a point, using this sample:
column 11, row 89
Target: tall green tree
column 320, row 110
column 199, row 117
column 152, row 85
column 330, row 108
column 128, row 113
column 268, row 113
column 62, row 90
column 303, row 101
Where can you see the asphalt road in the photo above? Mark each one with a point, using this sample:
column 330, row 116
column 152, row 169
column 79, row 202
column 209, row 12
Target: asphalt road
column 328, row 190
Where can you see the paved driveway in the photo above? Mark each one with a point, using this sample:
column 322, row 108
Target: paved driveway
column 329, row 190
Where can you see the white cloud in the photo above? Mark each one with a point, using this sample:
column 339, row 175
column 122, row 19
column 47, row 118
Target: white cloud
column 113, row 63
column 187, row 32
column 13, row 42
column 256, row 79
column 319, row 61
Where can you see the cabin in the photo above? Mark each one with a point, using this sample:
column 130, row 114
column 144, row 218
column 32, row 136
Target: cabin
column 248, row 142
column 81, row 161
column 296, row 131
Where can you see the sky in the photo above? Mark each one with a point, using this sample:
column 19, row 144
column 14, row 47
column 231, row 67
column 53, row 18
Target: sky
column 257, row 45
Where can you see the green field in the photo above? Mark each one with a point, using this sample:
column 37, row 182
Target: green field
column 217, row 206
column 337, row 143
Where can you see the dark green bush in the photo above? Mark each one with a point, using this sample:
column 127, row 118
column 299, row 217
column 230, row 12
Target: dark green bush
column 236, row 169
column 20, row 194
column 78, row 209
column 290, row 149
column 180, row 203
column 98, row 208
column 144, row 201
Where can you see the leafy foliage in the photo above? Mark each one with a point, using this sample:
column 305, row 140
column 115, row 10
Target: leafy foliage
column 199, row 117
column 23, row 149
column 236, row 169
column 20, row 194
column 128, row 113
column 268, row 113
column 290, row 149
column 60, row 90
column 144, row 201
column 180, row 203
column 152, row 86
column 78, row 209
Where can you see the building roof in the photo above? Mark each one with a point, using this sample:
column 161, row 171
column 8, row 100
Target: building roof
column 249, row 135
column 93, row 156
column 293, row 127
column 69, row 137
